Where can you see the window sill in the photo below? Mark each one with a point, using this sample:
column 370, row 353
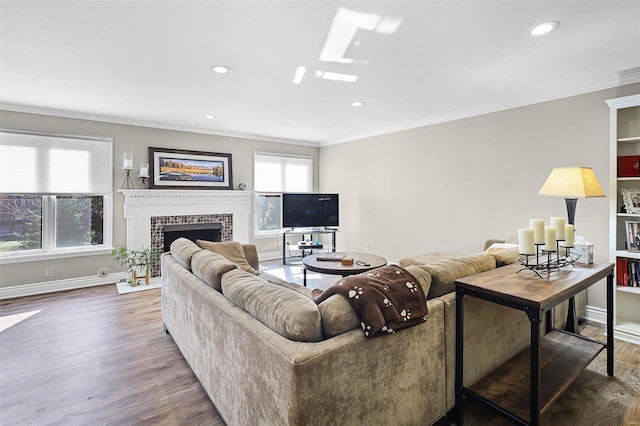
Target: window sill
column 267, row 234
column 35, row 257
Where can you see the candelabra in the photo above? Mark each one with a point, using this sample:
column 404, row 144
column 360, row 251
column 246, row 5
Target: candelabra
column 546, row 262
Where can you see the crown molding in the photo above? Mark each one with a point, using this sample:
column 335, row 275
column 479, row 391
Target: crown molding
column 624, row 78
column 139, row 123
column 621, row 79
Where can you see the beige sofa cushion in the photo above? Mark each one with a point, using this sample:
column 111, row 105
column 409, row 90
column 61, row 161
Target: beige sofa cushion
column 427, row 258
column 182, row 249
column 445, row 272
column 232, row 250
column 337, row 316
column 210, row 267
column 423, row 277
column 289, row 313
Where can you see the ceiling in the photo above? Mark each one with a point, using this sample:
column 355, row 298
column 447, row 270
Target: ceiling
column 149, row 62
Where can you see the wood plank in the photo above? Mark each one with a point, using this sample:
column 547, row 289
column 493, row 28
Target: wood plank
column 562, row 358
column 91, row 356
column 50, row 375
column 526, row 288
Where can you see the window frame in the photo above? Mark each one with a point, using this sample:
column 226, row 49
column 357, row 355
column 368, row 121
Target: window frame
column 257, row 193
column 48, row 248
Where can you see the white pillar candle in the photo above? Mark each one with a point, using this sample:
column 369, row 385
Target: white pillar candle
column 144, row 169
column 127, row 160
column 525, row 241
column 568, row 236
column 558, row 223
column 538, row 230
column 550, row 238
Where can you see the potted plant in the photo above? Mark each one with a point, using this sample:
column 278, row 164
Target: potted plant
column 136, row 261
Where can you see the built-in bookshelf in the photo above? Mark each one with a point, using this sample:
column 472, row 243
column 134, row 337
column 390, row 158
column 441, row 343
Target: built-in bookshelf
column 624, row 218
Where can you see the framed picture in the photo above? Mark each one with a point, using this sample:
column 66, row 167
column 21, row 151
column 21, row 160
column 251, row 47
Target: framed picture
column 631, row 199
column 633, row 236
column 182, row 169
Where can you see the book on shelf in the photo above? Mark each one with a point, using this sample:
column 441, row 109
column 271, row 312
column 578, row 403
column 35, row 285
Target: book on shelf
column 627, row 272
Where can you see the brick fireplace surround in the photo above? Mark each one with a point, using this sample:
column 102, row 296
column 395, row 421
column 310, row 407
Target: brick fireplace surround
column 147, row 211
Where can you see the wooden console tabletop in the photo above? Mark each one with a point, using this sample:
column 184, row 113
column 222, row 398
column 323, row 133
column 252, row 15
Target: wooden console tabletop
column 554, row 360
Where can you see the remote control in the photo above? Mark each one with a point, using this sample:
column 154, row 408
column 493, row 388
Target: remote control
column 361, row 263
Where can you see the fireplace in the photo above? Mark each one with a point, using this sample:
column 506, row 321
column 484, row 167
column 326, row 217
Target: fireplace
column 193, row 232
column 148, row 212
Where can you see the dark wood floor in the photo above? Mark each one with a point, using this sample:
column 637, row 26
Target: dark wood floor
column 93, row 357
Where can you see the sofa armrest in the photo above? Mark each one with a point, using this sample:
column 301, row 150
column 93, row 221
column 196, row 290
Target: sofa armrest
column 488, row 243
column 251, row 253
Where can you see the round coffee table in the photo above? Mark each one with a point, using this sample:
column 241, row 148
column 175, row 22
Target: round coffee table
column 335, row 267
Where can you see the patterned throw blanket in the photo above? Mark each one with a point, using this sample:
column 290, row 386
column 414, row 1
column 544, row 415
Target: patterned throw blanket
column 385, row 299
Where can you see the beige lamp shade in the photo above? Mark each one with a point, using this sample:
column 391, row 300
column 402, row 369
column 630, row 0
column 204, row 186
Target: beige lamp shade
column 572, row 182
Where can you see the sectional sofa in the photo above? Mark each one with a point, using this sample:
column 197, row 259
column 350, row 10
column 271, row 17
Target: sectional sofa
column 266, row 354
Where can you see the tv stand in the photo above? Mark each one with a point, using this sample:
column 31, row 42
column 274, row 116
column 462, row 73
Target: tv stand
column 307, row 249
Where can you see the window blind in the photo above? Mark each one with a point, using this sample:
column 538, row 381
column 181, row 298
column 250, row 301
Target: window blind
column 280, row 173
column 34, row 163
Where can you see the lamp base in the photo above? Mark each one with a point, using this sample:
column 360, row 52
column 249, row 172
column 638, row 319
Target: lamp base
column 571, row 209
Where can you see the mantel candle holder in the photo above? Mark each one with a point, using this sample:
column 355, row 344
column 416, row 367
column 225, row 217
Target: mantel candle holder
column 128, row 183
column 551, row 263
column 143, row 184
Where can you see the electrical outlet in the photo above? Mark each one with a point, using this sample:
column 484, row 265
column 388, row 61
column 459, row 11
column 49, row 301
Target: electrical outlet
column 48, row 272
column 366, row 246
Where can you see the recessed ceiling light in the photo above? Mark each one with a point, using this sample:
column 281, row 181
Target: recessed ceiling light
column 300, row 71
column 220, row 69
column 209, row 117
column 545, row 28
column 328, row 75
column 358, row 103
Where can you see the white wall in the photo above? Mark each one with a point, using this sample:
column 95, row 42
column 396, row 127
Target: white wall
column 451, row 186
column 446, row 187
column 134, row 139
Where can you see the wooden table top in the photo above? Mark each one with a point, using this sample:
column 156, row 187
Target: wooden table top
column 526, row 288
column 312, row 263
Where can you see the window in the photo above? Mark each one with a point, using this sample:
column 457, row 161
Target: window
column 55, row 195
column 274, row 174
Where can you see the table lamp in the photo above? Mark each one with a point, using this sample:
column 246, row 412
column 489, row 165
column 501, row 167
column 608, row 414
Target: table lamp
column 572, row 183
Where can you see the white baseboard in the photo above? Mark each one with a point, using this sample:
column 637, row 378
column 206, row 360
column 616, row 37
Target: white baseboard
column 59, row 285
column 620, row 331
column 595, row 314
column 271, row 255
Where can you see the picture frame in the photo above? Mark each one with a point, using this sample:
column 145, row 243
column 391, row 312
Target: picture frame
column 631, row 199
column 184, row 169
column 633, row 235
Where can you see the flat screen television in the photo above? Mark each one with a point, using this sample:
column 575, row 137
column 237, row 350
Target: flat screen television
column 309, row 210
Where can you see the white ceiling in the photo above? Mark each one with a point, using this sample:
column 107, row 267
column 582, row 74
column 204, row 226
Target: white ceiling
column 148, row 62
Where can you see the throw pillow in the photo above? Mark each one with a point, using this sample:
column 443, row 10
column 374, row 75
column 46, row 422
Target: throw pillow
column 337, row 316
column 183, row 249
column 232, row 250
column 210, row 267
column 289, row 313
column 504, row 253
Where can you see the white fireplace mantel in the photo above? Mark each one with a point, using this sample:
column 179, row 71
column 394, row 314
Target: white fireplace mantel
column 141, row 205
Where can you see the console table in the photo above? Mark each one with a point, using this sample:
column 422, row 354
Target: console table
column 553, row 361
